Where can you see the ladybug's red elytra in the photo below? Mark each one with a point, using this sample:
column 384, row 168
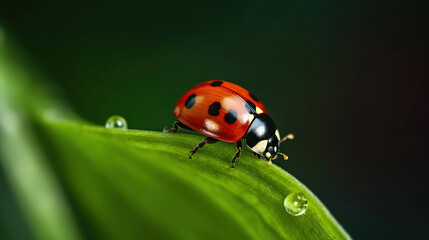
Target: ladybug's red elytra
column 224, row 111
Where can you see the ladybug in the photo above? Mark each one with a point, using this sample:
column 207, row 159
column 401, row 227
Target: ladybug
column 224, row 111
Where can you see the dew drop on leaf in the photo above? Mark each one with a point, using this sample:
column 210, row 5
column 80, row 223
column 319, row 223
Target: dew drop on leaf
column 296, row 204
column 116, row 122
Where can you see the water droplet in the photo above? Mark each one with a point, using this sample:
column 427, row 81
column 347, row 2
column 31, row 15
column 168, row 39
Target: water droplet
column 296, row 204
column 116, row 122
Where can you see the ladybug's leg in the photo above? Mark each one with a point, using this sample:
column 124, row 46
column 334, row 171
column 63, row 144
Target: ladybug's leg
column 208, row 140
column 237, row 154
column 259, row 156
column 176, row 126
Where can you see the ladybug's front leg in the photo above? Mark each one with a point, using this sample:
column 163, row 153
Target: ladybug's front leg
column 259, row 156
column 237, row 154
column 208, row 140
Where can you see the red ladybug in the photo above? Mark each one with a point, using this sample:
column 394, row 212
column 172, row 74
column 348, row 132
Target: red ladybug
column 224, row 111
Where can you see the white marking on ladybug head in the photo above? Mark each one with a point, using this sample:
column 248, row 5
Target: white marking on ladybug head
column 275, row 148
column 278, row 134
column 258, row 110
column 260, row 146
column 267, row 154
column 251, row 117
column 211, row 126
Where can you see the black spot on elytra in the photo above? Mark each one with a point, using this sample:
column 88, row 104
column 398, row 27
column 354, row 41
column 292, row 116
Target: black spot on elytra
column 214, row 109
column 231, row 116
column 216, row 83
column 190, row 101
column 250, row 106
column 253, row 97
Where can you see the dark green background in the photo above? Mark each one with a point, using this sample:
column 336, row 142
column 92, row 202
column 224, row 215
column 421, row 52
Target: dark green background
column 346, row 78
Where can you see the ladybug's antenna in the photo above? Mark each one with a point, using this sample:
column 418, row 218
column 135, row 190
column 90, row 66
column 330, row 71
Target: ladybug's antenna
column 290, row 136
column 283, row 155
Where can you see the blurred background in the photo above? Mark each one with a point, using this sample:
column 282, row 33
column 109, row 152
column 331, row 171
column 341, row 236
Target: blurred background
column 347, row 78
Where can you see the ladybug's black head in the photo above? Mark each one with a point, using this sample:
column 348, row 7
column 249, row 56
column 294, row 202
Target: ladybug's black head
column 262, row 136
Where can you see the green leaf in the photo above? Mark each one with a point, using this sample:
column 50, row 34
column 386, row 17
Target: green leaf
column 77, row 180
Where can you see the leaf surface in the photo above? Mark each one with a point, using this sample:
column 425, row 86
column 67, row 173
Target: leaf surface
column 77, row 180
